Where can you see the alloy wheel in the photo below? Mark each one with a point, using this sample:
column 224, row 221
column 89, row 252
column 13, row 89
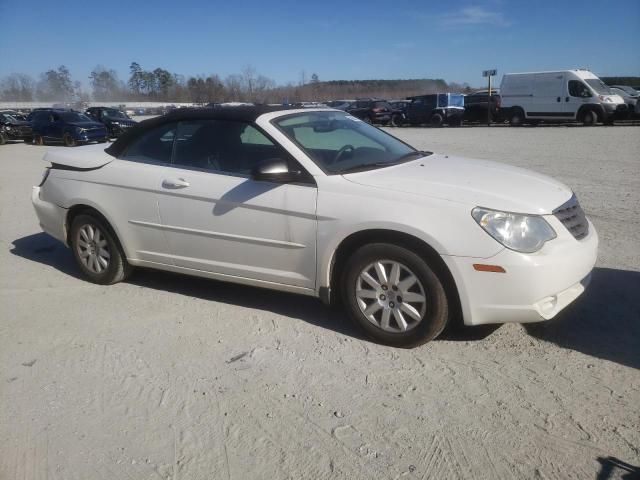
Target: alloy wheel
column 391, row 296
column 93, row 249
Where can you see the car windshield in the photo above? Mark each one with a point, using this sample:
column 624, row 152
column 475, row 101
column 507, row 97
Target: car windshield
column 113, row 113
column 8, row 118
column 450, row 100
column 74, row 117
column 629, row 90
column 598, row 86
column 340, row 143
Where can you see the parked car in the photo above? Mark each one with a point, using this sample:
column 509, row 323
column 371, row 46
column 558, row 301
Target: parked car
column 15, row 114
column 371, row 110
column 436, row 109
column 340, row 104
column 476, row 105
column 116, row 121
column 632, row 92
column 629, row 100
column 319, row 203
column 566, row 95
column 66, row 126
column 11, row 128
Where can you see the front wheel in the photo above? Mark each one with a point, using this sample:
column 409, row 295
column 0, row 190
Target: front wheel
column 394, row 295
column 589, row 118
column 96, row 251
column 3, row 138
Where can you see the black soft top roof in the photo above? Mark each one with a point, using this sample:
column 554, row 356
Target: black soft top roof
column 239, row 114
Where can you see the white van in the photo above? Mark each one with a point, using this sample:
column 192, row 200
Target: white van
column 566, row 95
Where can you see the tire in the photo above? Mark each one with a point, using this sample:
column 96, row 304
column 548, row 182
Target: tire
column 516, row 119
column 28, row 140
column 393, row 320
column 367, row 120
column 397, row 120
column 3, row 138
column 455, row 121
column 98, row 254
column 589, row 118
column 38, row 140
column 436, row 120
column 69, row 141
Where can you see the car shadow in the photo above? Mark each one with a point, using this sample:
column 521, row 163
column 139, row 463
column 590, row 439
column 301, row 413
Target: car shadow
column 612, row 467
column 603, row 323
column 42, row 248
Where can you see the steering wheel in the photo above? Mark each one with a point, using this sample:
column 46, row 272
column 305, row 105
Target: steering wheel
column 342, row 151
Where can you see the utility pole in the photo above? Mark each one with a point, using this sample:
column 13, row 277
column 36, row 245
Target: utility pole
column 489, row 74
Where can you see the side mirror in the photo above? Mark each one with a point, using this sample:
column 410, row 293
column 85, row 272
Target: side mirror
column 274, row 170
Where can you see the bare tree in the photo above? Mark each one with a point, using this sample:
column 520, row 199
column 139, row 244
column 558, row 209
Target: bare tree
column 17, row 87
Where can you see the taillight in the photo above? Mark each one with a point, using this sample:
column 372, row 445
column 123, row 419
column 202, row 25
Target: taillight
column 45, row 175
column 377, row 110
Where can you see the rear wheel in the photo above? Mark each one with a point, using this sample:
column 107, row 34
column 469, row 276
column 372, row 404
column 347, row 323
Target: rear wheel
column 394, row 295
column 38, row 140
column 68, row 140
column 96, row 251
column 397, row 120
column 436, row 120
column 516, row 119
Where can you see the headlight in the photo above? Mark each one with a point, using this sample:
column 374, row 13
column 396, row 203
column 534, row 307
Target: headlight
column 115, row 123
column 522, row 233
column 80, row 130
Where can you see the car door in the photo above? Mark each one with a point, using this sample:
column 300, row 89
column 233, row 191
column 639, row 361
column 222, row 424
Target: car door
column 218, row 219
column 54, row 127
column 577, row 95
column 128, row 190
column 549, row 93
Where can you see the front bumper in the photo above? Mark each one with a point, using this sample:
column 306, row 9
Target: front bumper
column 615, row 111
column 534, row 287
column 50, row 216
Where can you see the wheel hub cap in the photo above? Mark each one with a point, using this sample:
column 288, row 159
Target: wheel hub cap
column 391, row 296
column 93, row 249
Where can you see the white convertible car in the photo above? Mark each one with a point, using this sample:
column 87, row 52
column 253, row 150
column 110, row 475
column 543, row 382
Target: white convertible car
column 319, row 203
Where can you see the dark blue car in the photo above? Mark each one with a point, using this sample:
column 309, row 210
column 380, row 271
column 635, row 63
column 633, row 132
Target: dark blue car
column 67, row 127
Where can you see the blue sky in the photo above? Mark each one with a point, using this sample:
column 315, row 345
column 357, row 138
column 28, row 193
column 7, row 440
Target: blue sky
column 347, row 39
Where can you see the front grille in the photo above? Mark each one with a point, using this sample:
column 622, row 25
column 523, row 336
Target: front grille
column 573, row 218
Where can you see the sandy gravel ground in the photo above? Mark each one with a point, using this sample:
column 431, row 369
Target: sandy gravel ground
column 167, row 377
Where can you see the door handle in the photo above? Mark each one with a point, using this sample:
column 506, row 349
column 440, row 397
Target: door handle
column 174, row 183
column 558, row 99
column 566, row 99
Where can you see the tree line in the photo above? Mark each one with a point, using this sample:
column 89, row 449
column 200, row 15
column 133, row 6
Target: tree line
column 161, row 85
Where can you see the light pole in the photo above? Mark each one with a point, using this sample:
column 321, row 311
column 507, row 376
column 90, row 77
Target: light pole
column 489, row 74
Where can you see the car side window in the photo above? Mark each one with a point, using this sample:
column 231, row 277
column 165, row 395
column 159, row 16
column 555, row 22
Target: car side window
column 155, row 146
column 578, row 89
column 222, row 146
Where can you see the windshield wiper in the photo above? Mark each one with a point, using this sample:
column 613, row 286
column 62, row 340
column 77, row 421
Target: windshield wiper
column 419, row 153
column 365, row 166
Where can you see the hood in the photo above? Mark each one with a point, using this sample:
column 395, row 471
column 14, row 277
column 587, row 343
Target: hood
column 125, row 121
column 472, row 182
column 87, row 156
column 86, row 124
